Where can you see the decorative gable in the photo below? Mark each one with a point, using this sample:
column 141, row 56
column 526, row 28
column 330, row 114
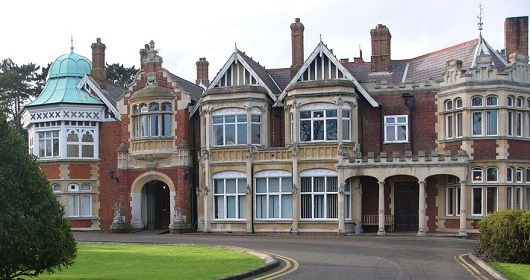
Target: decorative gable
column 241, row 70
column 323, row 65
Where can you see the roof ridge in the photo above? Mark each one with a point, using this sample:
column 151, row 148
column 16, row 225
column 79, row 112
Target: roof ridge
column 474, row 41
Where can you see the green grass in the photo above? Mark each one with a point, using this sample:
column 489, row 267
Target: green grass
column 139, row 261
column 513, row 271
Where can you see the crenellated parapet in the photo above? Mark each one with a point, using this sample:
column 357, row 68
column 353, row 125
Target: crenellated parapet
column 420, row 158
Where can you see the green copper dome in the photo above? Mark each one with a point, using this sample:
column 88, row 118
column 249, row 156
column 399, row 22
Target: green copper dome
column 64, row 75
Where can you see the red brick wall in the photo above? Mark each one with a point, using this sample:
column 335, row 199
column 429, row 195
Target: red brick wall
column 80, row 170
column 484, row 149
column 371, row 196
column 277, row 126
column 369, row 127
column 81, row 223
column 516, row 35
column 453, row 146
column 452, row 223
column 519, row 149
column 431, row 210
column 52, row 170
column 110, row 191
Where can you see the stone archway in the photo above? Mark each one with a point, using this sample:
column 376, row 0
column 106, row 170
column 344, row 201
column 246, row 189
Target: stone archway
column 152, row 201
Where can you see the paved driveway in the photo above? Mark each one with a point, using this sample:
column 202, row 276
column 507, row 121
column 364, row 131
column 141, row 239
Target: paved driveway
column 335, row 257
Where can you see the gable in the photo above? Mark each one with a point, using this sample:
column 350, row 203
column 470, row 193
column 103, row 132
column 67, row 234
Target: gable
column 240, row 70
column 323, row 65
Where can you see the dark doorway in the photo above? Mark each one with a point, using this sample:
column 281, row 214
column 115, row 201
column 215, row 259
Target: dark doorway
column 158, row 206
column 406, row 207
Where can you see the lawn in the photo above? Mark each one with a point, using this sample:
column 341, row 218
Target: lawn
column 142, row 261
column 513, row 271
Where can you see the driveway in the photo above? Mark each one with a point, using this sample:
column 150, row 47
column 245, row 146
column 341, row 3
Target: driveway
column 334, row 257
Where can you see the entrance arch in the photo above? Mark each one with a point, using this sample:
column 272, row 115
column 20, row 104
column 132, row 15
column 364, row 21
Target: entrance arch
column 152, row 201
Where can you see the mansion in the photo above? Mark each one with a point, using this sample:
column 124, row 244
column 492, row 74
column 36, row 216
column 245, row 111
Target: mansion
column 428, row 144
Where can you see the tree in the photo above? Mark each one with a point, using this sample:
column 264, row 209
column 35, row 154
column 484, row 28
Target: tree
column 18, row 84
column 120, row 75
column 35, row 237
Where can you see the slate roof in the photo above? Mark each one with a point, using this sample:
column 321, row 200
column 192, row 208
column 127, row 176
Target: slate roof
column 282, row 76
column 262, row 73
column 194, row 90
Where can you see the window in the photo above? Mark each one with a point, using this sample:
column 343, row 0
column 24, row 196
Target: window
column 509, row 174
column 452, row 201
column 453, row 120
column 528, row 175
column 230, row 195
column 514, row 198
column 274, row 195
column 491, row 175
column 519, row 175
column 476, row 174
column 484, row 200
column 396, row 129
column 347, row 199
column 80, row 143
column 318, row 125
column 346, row 124
column 491, row 123
column 319, row 194
column 230, row 127
column 152, row 120
column 48, row 143
column 515, row 117
column 79, row 201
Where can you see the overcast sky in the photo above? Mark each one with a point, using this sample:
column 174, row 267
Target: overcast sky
column 183, row 31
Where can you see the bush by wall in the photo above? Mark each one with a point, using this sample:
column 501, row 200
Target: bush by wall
column 505, row 237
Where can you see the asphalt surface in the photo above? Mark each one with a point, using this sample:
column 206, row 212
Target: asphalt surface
column 365, row 256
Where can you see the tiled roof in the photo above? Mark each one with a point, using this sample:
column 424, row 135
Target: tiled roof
column 281, row 76
column 262, row 73
column 194, row 90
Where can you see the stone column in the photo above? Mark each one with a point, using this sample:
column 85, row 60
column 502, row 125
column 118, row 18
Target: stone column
column 296, row 176
column 208, row 187
column 463, row 209
column 381, row 230
column 340, row 204
column 421, row 209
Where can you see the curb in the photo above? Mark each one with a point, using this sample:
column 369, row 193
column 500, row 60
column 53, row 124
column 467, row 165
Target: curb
column 270, row 263
column 487, row 267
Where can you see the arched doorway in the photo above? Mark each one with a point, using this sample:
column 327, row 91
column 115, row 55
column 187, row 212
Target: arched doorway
column 157, row 205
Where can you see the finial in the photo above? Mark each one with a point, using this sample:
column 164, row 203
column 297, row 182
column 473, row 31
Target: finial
column 480, row 20
column 320, row 38
column 71, row 43
column 235, row 47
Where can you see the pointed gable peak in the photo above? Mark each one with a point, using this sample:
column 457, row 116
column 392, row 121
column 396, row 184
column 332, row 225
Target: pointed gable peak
column 242, row 70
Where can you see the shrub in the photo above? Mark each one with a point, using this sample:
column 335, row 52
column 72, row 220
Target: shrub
column 505, row 237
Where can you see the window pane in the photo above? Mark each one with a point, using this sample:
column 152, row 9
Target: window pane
column 219, row 207
column 305, row 130
column 256, row 133
column 218, row 134
column 318, row 130
column 331, row 129
column 477, row 201
column 261, row 185
column 477, row 123
column 305, row 206
column 319, row 185
column 390, row 134
column 242, row 204
column 491, row 198
column 242, row 185
column 166, row 125
column 86, row 205
column 219, row 186
column 402, row 133
column 274, row 185
column 287, row 206
column 491, row 122
column 87, row 151
column 241, row 133
column 274, row 206
column 332, row 203
column 287, row 184
column 230, row 134
column 154, row 125
column 261, row 206
column 318, row 206
column 230, row 186
column 73, row 205
column 72, row 150
column 491, row 174
column 230, row 207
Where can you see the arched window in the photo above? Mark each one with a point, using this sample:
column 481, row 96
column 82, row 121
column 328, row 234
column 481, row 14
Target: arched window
column 229, row 192
column 490, row 126
column 491, row 175
column 448, row 105
column 458, row 103
column 476, row 101
column 274, row 195
column 476, row 175
column 491, row 100
column 318, row 194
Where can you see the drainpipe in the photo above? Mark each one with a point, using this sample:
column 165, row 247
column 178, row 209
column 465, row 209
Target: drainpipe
column 409, row 102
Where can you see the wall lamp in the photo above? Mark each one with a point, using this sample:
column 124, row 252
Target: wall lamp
column 111, row 174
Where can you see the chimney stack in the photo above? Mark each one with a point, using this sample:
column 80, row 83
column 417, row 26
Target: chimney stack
column 297, row 42
column 202, row 72
column 380, row 48
column 516, row 35
column 98, row 71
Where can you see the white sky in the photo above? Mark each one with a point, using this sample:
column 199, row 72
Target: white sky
column 39, row 31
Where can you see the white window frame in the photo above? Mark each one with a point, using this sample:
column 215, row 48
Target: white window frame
column 148, row 122
column 223, row 199
column 329, row 114
column 276, row 204
column 250, row 123
column 79, row 200
column 395, row 125
column 51, row 143
column 323, row 203
column 452, row 206
column 477, row 175
column 492, row 175
column 514, row 198
column 483, row 201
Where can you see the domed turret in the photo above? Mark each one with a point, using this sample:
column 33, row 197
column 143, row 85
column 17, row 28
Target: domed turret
column 70, row 65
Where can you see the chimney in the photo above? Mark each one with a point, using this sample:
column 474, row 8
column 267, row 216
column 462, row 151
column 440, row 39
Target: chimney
column 516, row 35
column 151, row 62
column 202, row 72
column 380, row 48
column 297, row 42
column 98, row 71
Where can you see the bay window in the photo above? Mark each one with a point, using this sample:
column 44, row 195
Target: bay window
column 320, row 122
column 230, row 127
column 48, row 142
column 152, row 120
